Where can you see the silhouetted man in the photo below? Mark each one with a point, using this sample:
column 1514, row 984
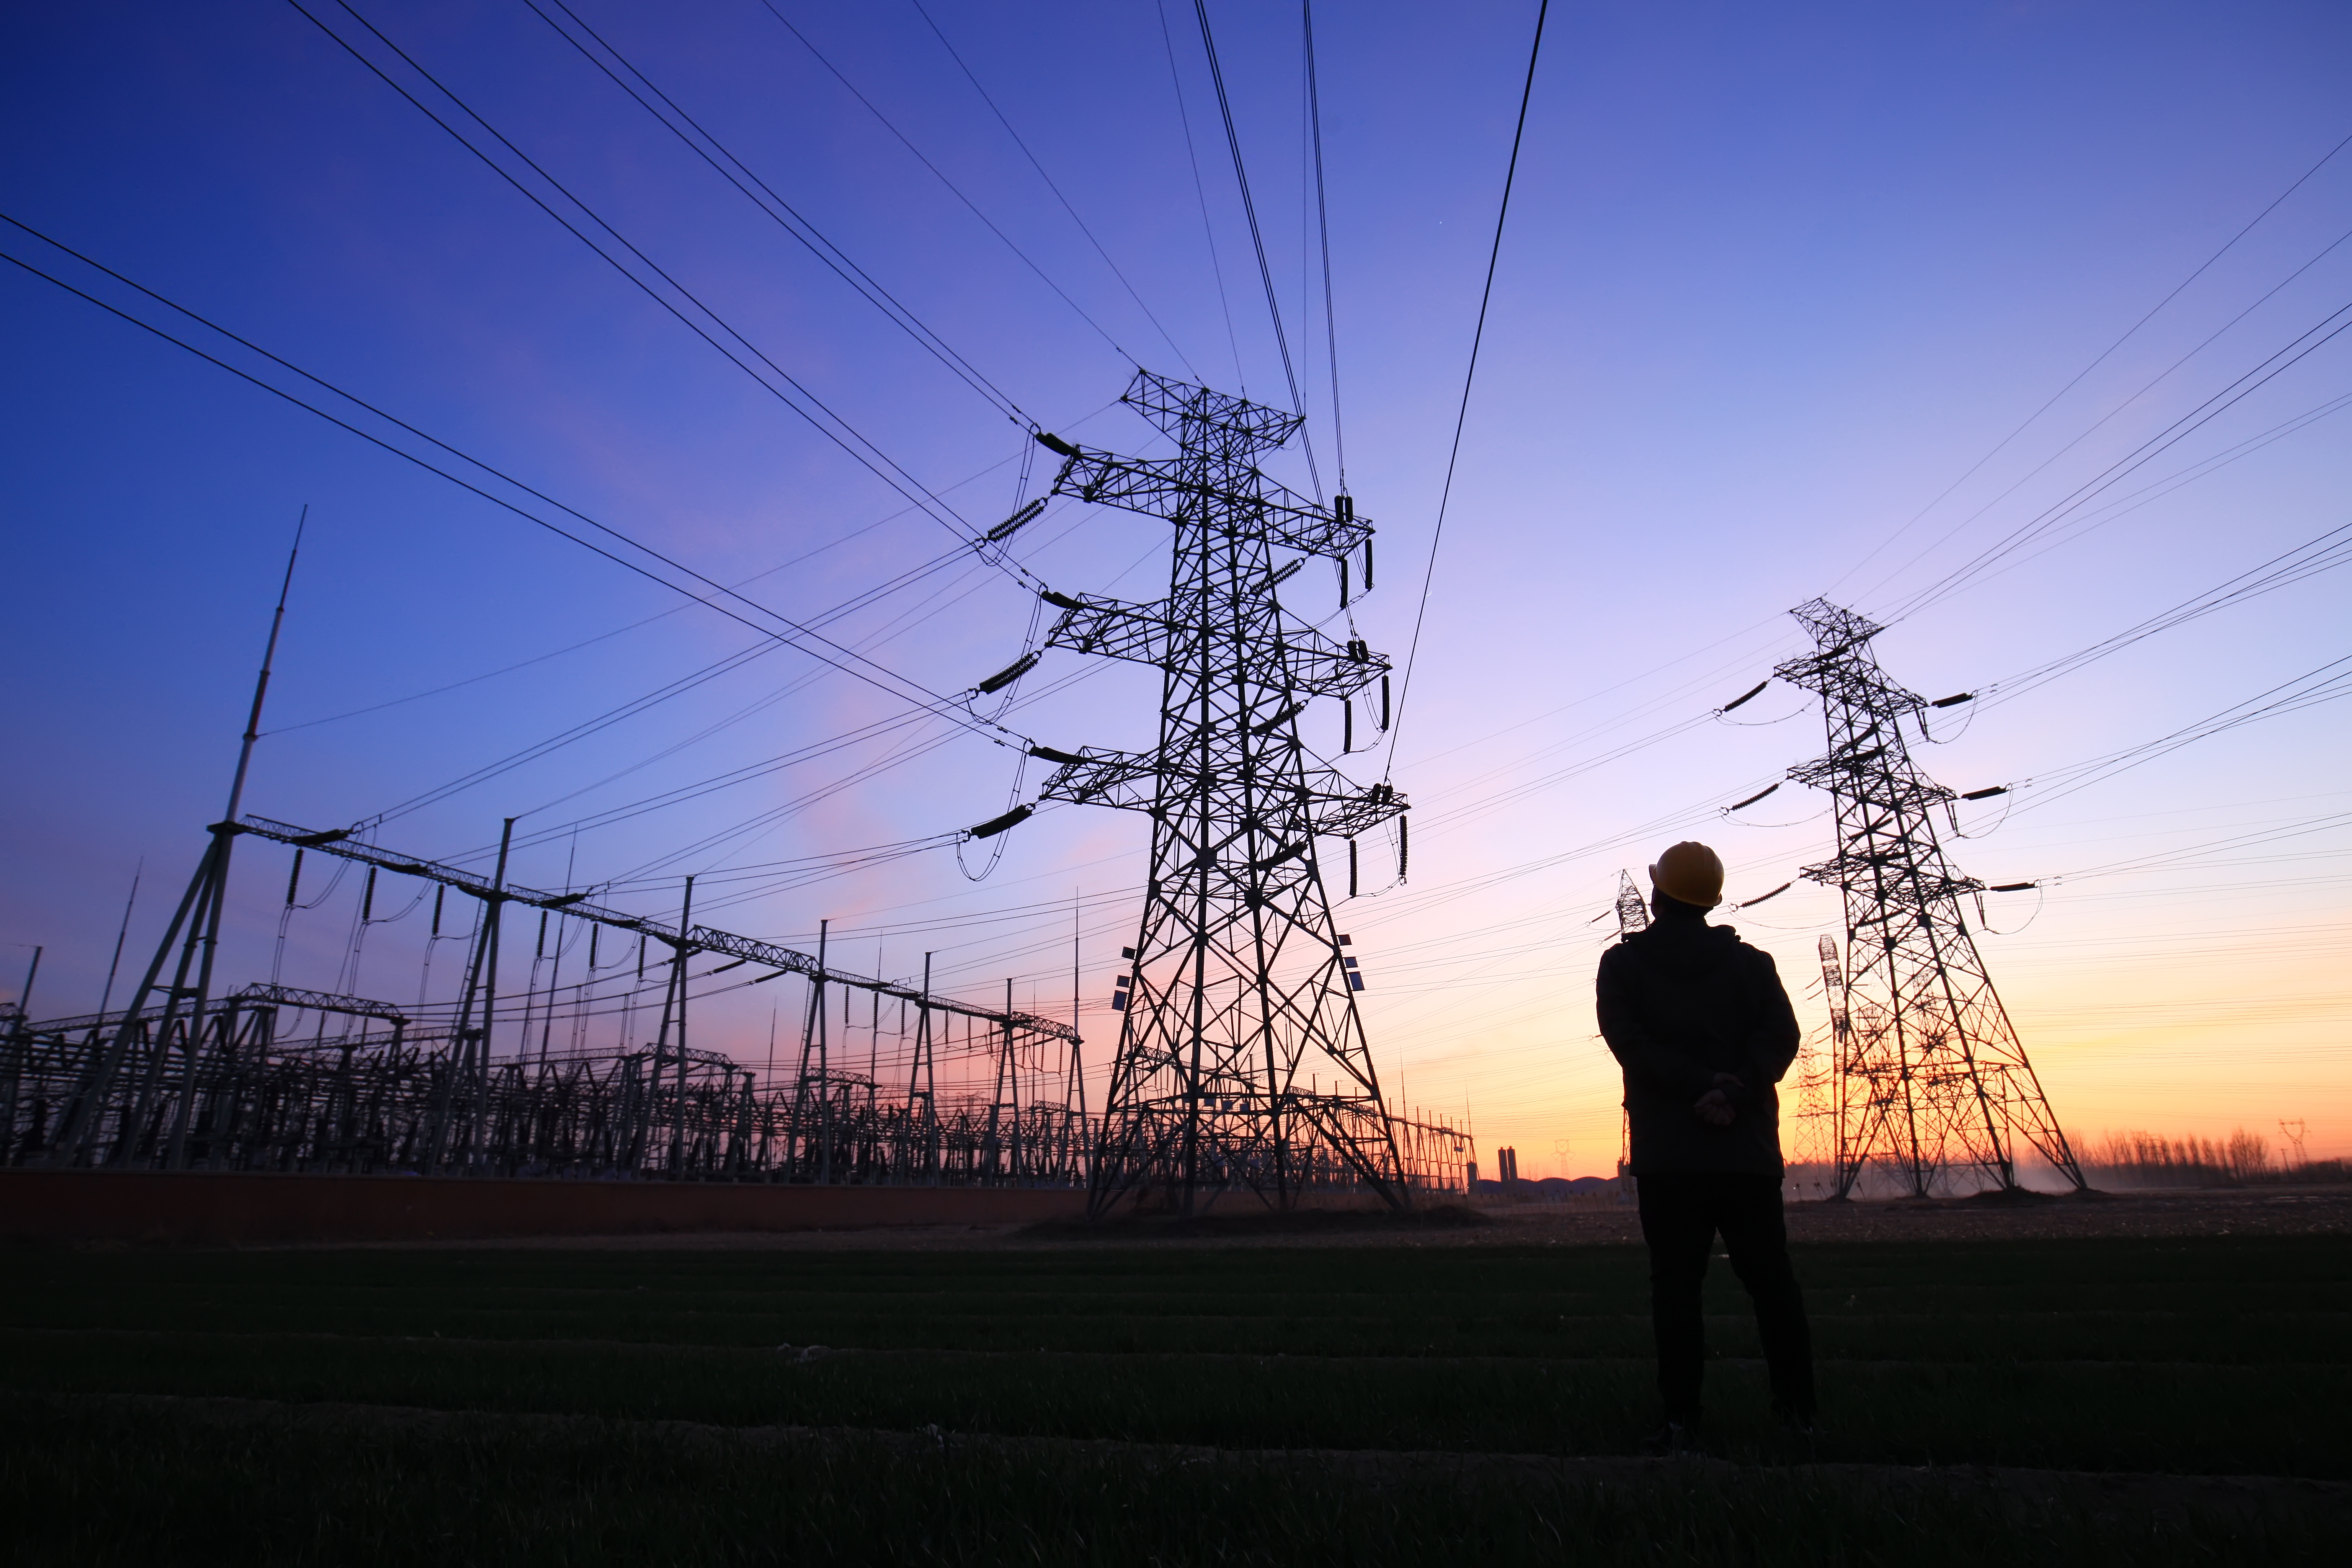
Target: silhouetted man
column 1702, row 1028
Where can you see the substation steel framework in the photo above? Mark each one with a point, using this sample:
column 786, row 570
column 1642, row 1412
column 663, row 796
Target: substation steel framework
column 1931, row 1078
column 206, row 1082
column 1239, row 995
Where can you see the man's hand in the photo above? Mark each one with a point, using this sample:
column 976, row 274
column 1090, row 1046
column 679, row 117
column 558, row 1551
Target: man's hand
column 1730, row 1083
column 1714, row 1107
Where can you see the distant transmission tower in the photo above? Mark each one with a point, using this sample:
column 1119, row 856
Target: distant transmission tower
column 1633, row 915
column 1813, row 1141
column 1242, row 1060
column 1931, row 1077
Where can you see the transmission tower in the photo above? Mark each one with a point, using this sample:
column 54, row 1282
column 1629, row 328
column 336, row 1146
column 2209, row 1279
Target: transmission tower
column 1813, row 1131
column 1633, row 915
column 1242, row 1060
column 1931, row 1078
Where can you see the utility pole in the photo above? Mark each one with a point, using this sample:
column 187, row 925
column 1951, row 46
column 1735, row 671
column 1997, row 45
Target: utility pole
column 1240, row 982
column 1933, row 1077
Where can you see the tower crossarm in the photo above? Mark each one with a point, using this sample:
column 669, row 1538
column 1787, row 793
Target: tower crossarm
column 1099, row 776
column 1342, row 811
column 1145, row 634
column 1891, row 877
column 1332, row 805
column 1890, row 789
column 1846, row 676
column 1174, row 487
column 1111, row 627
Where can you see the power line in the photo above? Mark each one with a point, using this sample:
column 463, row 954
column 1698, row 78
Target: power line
column 2100, row 359
column 2298, row 349
column 1200, row 195
column 1323, row 230
column 1258, row 238
column 1052, row 186
column 1462, row 413
column 832, row 425
column 2306, row 691
column 2330, row 550
column 2099, row 424
column 823, row 650
column 953, row 188
column 783, row 213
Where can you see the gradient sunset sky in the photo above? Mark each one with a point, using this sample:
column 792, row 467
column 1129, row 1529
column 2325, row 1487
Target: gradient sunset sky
column 1793, row 301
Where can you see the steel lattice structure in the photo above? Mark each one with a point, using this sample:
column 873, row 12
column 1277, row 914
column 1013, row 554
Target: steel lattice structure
column 1810, row 1139
column 1931, row 1078
column 1240, row 1048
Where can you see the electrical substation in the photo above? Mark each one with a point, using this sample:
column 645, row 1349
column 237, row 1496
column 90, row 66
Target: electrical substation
column 1239, row 987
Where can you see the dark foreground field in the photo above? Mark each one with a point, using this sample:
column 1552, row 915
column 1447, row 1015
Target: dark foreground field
column 2150, row 1401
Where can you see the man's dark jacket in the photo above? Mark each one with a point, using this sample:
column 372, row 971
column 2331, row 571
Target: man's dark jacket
column 1681, row 1002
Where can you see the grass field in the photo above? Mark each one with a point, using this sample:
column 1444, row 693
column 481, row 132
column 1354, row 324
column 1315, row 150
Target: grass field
column 1376, row 1403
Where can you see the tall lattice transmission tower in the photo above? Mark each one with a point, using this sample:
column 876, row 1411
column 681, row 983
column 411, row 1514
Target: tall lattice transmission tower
column 1931, row 1078
column 1242, row 1060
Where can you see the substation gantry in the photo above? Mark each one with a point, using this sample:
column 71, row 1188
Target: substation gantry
column 1931, row 1078
column 183, row 1079
column 1242, row 1064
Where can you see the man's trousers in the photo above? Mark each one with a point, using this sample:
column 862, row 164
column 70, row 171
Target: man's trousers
column 1681, row 1215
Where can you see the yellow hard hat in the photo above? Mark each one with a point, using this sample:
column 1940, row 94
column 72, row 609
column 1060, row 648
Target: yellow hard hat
column 1689, row 873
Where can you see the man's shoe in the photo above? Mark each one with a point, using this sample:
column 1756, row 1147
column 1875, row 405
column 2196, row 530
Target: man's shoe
column 1673, row 1440
column 1796, row 1419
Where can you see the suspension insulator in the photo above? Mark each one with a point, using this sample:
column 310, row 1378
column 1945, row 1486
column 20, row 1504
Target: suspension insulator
column 1384, row 704
column 1055, row 754
column 1760, row 795
column 1009, row 674
column 1288, row 713
column 1052, row 443
column 1346, row 725
column 1954, row 699
column 996, row 825
column 1061, row 601
column 1745, row 696
column 2011, row 887
column 1016, row 523
column 1986, row 794
column 294, row 881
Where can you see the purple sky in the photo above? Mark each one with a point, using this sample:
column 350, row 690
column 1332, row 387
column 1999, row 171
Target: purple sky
column 1778, row 283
